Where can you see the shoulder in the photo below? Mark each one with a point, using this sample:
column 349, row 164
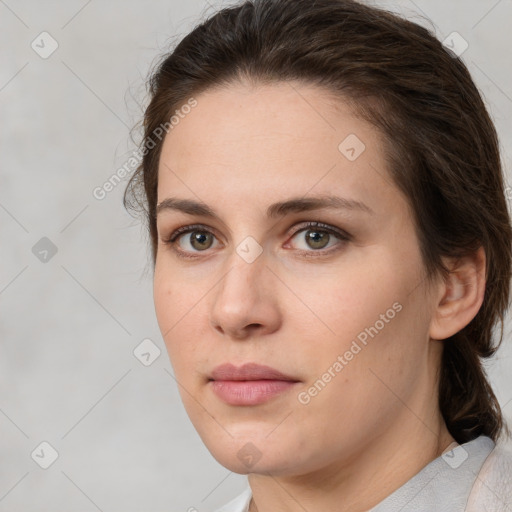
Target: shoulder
column 492, row 490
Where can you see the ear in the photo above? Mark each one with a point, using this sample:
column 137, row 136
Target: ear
column 460, row 296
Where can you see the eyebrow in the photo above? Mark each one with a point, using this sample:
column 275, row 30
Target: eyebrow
column 275, row 210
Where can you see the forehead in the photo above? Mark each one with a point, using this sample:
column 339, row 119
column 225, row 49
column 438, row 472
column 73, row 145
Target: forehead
column 286, row 117
column 269, row 140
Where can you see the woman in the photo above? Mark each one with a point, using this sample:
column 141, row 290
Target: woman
column 331, row 245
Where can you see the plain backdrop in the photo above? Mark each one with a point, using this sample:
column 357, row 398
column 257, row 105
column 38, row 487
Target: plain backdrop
column 75, row 291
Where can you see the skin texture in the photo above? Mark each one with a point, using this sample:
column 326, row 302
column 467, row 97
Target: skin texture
column 376, row 423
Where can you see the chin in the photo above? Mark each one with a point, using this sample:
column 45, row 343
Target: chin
column 256, row 454
column 233, row 463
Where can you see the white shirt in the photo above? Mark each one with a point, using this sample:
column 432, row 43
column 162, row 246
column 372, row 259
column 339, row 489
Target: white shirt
column 472, row 477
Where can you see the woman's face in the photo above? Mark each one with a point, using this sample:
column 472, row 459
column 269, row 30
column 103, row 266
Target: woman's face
column 342, row 308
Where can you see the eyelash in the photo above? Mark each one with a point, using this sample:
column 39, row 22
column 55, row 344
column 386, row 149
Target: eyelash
column 321, row 227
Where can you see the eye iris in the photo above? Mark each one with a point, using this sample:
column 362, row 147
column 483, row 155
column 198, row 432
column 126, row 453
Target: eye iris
column 317, row 239
column 200, row 237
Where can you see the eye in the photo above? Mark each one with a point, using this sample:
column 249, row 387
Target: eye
column 317, row 239
column 318, row 236
column 198, row 239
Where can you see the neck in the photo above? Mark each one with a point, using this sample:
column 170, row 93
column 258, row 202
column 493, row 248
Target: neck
column 383, row 465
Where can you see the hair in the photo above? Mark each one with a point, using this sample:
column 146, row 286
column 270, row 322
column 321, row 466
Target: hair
column 441, row 146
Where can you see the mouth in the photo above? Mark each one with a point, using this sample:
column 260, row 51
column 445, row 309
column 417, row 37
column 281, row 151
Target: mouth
column 248, row 371
column 250, row 384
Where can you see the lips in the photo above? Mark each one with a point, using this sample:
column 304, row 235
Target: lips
column 248, row 371
column 250, row 384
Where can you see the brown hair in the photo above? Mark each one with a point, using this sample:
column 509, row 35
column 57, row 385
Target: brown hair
column 441, row 145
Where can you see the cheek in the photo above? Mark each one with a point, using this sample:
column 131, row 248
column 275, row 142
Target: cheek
column 361, row 298
column 164, row 298
column 173, row 296
column 375, row 324
column 173, row 302
column 358, row 377
column 180, row 307
column 383, row 355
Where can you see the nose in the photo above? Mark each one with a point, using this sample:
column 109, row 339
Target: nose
column 245, row 302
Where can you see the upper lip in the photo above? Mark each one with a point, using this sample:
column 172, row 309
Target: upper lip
column 248, row 371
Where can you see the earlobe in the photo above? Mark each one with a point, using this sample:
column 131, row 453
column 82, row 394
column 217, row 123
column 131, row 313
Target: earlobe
column 460, row 295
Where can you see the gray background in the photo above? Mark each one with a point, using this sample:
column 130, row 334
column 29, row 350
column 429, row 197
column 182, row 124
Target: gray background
column 69, row 325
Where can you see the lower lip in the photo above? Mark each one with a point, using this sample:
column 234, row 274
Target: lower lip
column 249, row 392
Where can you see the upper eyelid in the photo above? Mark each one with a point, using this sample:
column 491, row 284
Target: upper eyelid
column 298, row 226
